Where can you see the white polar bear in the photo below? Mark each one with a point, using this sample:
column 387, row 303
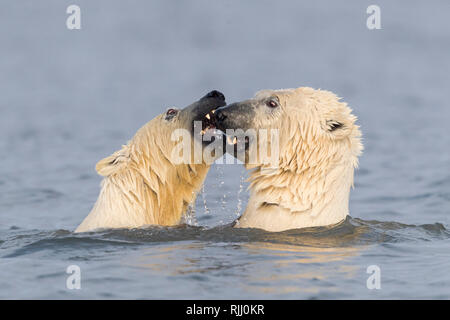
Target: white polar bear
column 319, row 144
column 143, row 185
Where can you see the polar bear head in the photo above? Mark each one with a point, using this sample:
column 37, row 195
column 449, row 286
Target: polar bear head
column 142, row 185
column 153, row 144
column 316, row 143
column 313, row 126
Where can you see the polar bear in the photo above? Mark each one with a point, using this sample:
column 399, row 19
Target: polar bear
column 142, row 183
column 318, row 147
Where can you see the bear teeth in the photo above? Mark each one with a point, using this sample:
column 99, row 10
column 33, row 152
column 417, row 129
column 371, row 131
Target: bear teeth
column 231, row 140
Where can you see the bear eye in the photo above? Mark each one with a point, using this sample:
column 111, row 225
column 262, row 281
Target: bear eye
column 272, row 103
column 170, row 113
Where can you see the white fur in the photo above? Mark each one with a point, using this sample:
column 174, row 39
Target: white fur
column 142, row 185
column 312, row 183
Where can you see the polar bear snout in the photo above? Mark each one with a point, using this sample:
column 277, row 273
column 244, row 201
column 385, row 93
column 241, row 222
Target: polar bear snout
column 235, row 116
column 204, row 108
column 221, row 116
column 211, row 101
column 216, row 94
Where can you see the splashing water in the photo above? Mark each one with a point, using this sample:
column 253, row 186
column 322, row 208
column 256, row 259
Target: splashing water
column 205, row 205
column 239, row 198
column 220, row 178
column 190, row 217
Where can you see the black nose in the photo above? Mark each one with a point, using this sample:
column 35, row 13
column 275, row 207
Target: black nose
column 220, row 115
column 216, row 94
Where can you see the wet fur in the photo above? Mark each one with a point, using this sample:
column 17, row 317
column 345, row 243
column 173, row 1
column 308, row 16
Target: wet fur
column 319, row 148
column 142, row 185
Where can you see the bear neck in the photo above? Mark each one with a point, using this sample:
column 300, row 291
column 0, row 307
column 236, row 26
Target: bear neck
column 165, row 189
column 147, row 190
column 298, row 196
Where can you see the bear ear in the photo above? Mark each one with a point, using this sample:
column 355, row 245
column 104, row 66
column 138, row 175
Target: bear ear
column 337, row 128
column 333, row 125
column 114, row 163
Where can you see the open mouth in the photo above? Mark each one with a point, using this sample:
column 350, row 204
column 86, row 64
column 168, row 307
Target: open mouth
column 208, row 123
column 209, row 126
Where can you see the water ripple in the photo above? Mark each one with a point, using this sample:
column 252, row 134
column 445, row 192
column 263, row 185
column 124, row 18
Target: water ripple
column 351, row 232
